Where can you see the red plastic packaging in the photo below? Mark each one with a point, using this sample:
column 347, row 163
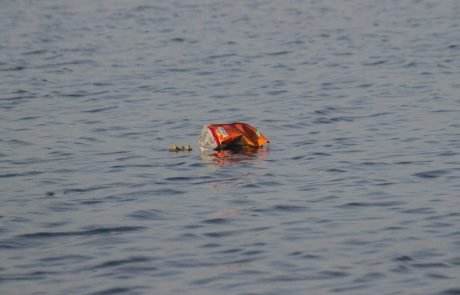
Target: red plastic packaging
column 228, row 136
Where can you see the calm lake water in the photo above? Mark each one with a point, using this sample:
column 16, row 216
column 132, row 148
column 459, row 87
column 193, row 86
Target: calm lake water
column 358, row 193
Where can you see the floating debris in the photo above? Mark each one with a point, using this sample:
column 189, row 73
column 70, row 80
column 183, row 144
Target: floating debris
column 184, row 148
column 230, row 136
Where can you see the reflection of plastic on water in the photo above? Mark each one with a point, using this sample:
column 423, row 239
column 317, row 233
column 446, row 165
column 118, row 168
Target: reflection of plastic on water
column 234, row 156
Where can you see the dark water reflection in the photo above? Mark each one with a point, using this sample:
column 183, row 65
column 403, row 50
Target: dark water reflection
column 357, row 193
column 239, row 156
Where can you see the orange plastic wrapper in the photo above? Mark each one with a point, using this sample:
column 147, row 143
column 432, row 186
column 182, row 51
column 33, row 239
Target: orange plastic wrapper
column 228, row 136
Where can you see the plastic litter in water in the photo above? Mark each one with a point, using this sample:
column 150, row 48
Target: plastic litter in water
column 230, row 136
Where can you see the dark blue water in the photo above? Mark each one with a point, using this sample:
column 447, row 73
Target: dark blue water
column 359, row 192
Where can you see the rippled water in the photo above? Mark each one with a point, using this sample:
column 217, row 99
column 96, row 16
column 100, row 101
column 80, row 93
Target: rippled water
column 357, row 194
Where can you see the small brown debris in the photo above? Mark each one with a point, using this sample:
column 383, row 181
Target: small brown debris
column 174, row 148
column 184, row 148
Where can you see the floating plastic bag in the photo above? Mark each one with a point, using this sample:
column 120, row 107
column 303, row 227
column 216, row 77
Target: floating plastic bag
column 229, row 136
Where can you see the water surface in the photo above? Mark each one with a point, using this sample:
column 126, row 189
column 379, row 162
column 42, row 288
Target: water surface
column 357, row 194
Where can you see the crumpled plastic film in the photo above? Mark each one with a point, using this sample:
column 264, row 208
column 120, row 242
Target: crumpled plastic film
column 228, row 136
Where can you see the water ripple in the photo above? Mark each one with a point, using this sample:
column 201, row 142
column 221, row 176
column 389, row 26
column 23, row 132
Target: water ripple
column 97, row 231
column 357, row 192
